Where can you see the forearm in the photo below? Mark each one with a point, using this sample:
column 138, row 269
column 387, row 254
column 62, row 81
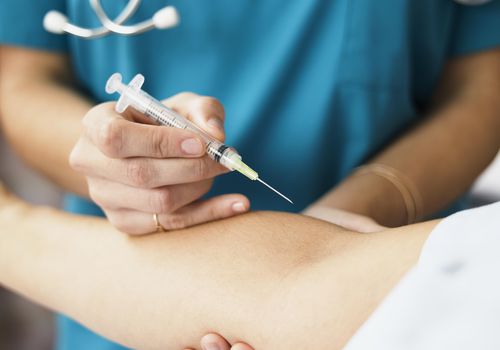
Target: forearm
column 162, row 291
column 441, row 157
column 41, row 116
column 259, row 278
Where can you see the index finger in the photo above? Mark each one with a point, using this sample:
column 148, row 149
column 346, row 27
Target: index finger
column 118, row 137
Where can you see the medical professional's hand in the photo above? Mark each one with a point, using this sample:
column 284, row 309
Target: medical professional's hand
column 346, row 219
column 214, row 341
column 135, row 170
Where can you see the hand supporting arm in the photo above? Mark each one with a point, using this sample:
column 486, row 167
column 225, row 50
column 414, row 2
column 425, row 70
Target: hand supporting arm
column 442, row 156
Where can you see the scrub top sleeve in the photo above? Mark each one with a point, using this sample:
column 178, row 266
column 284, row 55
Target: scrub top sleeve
column 21, row 24
column 477, row 28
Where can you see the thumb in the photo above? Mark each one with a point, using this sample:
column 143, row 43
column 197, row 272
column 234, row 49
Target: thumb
column 208, row 114
column 205, row 112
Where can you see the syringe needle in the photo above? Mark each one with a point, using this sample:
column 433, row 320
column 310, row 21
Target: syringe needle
column 288, row 199
column 132, row 95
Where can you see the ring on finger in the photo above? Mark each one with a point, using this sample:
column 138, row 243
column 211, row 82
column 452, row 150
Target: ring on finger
column 159, row 227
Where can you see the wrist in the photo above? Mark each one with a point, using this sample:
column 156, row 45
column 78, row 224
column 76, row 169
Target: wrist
column 368, row 195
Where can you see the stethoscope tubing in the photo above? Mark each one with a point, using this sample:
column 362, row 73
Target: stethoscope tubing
column 117, row 25
column 58, row 23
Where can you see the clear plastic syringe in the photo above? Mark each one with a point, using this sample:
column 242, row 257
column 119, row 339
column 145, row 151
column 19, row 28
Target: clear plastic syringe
column 133, row 95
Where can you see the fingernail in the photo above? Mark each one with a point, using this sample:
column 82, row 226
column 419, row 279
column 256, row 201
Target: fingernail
column 239, row 207
column 215, row 123
column 192, row 146
column 211, row 346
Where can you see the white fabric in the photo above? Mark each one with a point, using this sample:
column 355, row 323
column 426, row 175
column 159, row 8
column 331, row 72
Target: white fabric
column 487, row 187
column 451, row 299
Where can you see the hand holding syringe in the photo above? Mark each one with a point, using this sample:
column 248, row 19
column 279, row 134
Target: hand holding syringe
column 132, row 95
column 141, row 174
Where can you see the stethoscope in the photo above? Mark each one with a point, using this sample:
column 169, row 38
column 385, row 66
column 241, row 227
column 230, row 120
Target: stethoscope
column 56, row 22
column 167, row 17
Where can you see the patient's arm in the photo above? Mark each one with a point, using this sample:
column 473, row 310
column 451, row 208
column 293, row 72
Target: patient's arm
column 275, row 281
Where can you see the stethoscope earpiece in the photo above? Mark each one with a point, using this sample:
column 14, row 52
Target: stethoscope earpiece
column 57, row 23
column 54, row 22
column 167, row 17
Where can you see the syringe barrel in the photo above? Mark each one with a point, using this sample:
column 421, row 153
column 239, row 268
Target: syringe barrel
column 161, row 114
column 133, row 95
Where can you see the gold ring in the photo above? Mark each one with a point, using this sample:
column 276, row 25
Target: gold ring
column 159, row 227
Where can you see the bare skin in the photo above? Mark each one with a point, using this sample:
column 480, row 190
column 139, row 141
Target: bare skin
column 437, row 155
column 116, row 157
column 433, row 155
column 272, row 280
column 467, row 89
column 135, row 169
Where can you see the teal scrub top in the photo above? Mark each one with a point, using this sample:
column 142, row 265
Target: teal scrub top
column 311, row 88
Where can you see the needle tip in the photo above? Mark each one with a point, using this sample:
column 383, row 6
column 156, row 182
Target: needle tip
column 276, row 191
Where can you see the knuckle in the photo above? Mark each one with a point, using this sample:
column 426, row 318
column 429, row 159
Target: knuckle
column 162, row 143
column 162, row 202
column 199, row 168
column 214, row 213
column 94, row 115
column 76, row 159
column 110, row 138
column 174, row 222
column 210, row 108
column 211, row 102
column 88, row 119
column 139, row 173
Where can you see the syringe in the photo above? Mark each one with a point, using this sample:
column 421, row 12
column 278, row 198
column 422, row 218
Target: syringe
column 133, row 95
